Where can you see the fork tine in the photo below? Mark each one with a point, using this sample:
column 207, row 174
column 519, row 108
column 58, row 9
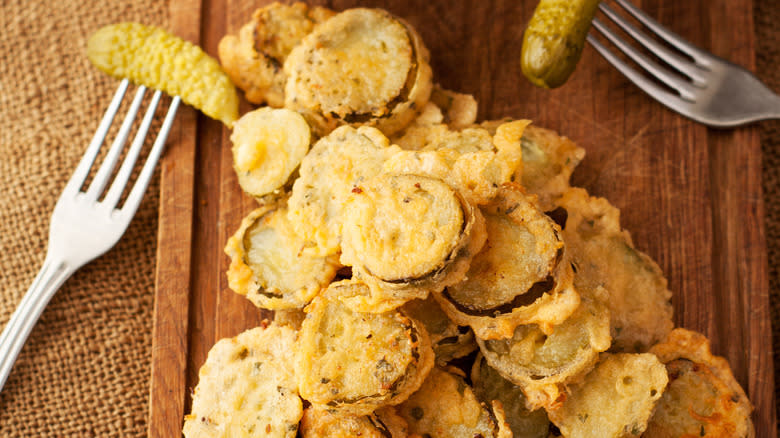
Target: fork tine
column 671, row 100
column 667, row 77
column 682, row 65
column 702, row 58
column 82, row 170
column 104, row 172
column 120, row 181
column 137, row 193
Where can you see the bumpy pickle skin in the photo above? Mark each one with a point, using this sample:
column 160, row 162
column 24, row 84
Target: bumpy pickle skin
column 150, row 56
column 553, row 41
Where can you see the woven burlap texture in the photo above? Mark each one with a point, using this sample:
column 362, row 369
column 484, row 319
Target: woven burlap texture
column 85, row 369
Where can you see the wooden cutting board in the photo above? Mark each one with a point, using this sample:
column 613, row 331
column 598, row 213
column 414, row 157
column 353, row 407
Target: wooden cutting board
column 690, row 196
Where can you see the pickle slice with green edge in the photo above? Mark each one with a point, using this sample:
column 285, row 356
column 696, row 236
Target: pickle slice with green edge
column 489, row 385
column 356, row 362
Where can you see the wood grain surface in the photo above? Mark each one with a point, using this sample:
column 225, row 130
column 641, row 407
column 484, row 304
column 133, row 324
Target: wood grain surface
column 690, row 196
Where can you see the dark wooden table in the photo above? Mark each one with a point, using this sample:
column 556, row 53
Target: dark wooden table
column 690, row 196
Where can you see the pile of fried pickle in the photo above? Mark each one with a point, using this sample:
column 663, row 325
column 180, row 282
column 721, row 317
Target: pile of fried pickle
column 431, row 276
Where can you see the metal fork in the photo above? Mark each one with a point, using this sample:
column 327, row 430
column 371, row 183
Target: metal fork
column 710, row 90
column 83, row 227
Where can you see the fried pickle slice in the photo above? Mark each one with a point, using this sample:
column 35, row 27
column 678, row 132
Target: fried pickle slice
column 703, row 397
column 609, row 266
column 267, row 265
column 362, row 66
column 334, row 166
column 542, row 364
column 246, row 388
column 254, row 58
column 446, row 407
column 489, row 385
column 521, row 276
column 614, row 400
column 329, row 423
column 268, row 145
column 450, row 341
column 406, row 235
column 471, row 160
column 547, row 164
column 357, row 362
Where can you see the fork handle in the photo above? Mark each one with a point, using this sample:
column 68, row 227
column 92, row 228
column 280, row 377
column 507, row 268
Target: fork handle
column 52, row 275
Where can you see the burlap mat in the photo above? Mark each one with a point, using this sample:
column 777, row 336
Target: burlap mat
column 85, row 370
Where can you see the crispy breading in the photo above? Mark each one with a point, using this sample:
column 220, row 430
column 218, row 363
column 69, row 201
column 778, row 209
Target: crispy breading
column 446, row 407
column 614, row 400
column 703, row 397
column 267, row 265
column 548, row 162
column 543, row 364
column 357, row 362
column 362, row 66
column 521, row 276
column 328, row 423
column 268, row 146
column 609, row 268
column 247, row 388
column 446, row 111
column 472, row 160
column 254, row 58
column 459, row 110
column 334, row 166
column 407, row 235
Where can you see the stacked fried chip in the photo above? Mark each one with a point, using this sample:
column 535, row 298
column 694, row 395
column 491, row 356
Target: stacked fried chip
column 396, row 237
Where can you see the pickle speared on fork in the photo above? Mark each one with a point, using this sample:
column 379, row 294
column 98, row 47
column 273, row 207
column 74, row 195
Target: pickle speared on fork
column 553, row 40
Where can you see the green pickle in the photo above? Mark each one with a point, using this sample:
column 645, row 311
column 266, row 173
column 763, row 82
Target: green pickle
column 553, row 41
column 150, row 56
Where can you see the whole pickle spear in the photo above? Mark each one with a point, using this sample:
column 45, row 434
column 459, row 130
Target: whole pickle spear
column 553, row 41
column 150, row 56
